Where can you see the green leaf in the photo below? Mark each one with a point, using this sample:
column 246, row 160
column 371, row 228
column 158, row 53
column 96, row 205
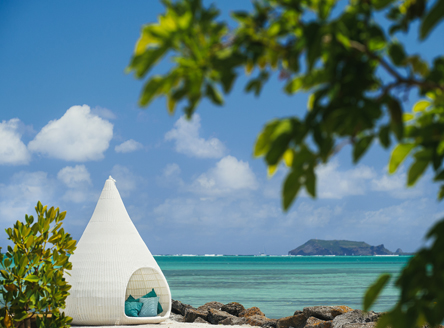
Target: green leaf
column 374, row 290
column 290, row 189
column 416, row 170
column 361, row 147
column 431, row 19
column 384, row 136
column 441, row 193
column 421, row 106
column 397, row 53
column 32, row 278
column 310, row 183
column 399, row 153
column 263, row 141
column 407, row 117
column 150, row 90
column 214, row 95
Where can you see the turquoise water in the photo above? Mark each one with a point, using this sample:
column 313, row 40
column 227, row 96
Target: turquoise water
column 279, row 285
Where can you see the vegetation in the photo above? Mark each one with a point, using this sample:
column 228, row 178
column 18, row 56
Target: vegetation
column 338, row 247
column 32, row 282
column 357, row 74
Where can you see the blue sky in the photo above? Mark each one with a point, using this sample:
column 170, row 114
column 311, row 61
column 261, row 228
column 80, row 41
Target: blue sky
column 69, row 119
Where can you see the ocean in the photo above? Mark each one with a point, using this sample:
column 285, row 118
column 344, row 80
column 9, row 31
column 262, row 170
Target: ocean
column 279, row 285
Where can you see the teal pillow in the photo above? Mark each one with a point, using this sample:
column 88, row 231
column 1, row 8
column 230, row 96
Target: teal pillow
column 131, row 299
column 149, row 308
column 132, row 309
column 152, row 293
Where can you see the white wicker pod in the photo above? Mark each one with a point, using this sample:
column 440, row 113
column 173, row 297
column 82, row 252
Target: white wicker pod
column 110, row 263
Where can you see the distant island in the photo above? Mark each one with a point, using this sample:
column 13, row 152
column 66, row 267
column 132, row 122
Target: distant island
column 342, row 247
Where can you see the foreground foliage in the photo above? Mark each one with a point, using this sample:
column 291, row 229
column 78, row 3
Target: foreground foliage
column 357, row 74
column 32, row 275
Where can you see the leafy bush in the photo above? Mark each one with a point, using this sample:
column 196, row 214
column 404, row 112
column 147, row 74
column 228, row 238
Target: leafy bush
column 33, row 284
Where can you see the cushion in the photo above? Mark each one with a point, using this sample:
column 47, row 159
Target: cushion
column 132, row 309
column 131, row 299
column 152, row 293
column 149, row 308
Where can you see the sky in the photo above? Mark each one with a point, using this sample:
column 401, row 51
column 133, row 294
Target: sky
column 69, row 119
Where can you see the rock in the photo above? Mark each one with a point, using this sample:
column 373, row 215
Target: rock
column 179, row 308
column 260, row 321
column 298, row 312
column 233, row 308
column 192, row 314
column 355, row 316
column 233, row 321
column 326, row 312
column 176, row 317
column 295, row 321
column 251, row 311
column 313, row 322
column 360, row 325
column 214, row 316
column 210, row 305
column 200, row 320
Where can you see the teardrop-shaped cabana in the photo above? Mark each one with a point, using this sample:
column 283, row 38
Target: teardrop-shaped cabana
column 110, row 263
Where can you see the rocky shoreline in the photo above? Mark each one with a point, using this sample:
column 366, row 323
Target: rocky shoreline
column 234, row 313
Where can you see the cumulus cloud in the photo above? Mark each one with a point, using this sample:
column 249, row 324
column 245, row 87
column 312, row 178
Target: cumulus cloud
column 126, row 181
column 229, row 174
column 187, row 141
column 396, row 185
column 22, row 193
column 12, row 150
column 128, row 146
column 336, row 184
column 74, row 176
column 77, row 136
column 308, row 215
column 104, row 113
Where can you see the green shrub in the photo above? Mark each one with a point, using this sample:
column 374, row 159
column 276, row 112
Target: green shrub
column 32, row 282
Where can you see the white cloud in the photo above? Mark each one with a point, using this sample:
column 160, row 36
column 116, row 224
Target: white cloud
column 126, row 181
column 229, row 174
column 187, row 141
column 104, row 113
column 171, row 176
column 74, row 176
column 336, row 184
column 171, row 170
column 20, row 196
column 396, row 185
column 12, row 150
column 307, row 215
column 77, row 136
column 128, row 146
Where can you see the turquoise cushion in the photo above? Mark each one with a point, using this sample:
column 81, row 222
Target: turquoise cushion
column 131, row 299
column 149, row 308
column 132, row 309
column 152, row 293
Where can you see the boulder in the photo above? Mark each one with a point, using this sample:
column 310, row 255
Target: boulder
column 176, row 317
column 210, row 305
column 298, row 312
column 313, row 322
column 214, row 316
column 260, row 321
column 192, row 314
column 233, row 308
column 295, row 321
column 360, row 325
column 179, row 308
column 233, row 321
column 326, row 312
column 355, row 316
column 200, row 320
column 251, row 311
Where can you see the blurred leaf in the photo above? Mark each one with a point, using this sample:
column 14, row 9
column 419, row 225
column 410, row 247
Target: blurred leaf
column 416, row 170
column 421, row 106
column 397, row 53
column 435, row 14
column 290, row 189
column 398, row 155
column 214, row 95
column 361, row 147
